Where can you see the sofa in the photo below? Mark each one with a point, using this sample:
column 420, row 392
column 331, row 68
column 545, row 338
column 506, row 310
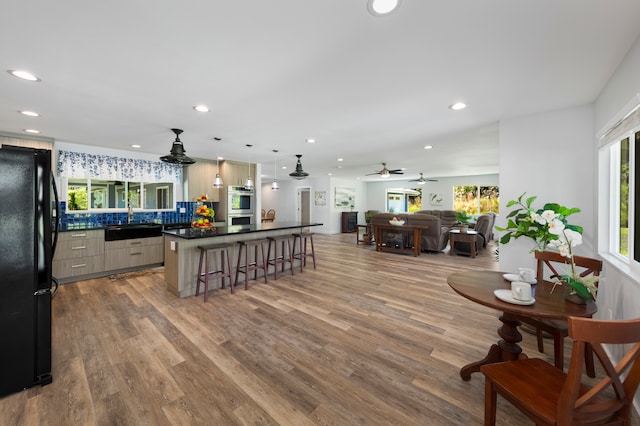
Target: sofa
column 434, row 237
column 447, row 217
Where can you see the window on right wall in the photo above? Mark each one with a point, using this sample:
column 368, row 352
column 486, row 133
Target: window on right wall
column 476, row 199
column 618, row 204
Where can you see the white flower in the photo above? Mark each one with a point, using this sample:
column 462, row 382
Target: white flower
column 549, row 215
column 556, row 227
column 537, row 218
column 571, row 237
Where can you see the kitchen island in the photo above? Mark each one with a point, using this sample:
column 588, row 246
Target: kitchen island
column 181, row 253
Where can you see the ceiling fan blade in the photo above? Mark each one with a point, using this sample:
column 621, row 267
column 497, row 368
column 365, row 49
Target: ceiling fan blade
column 396, row 172
column 371, row 174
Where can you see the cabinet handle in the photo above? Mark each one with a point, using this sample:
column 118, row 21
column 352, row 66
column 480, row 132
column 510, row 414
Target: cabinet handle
column 134, row 243
column 82, row 265
column 78, row 235
column 133, row 254
column 78, row 248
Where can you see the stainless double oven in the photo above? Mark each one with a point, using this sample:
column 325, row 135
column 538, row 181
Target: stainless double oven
column 240, row 205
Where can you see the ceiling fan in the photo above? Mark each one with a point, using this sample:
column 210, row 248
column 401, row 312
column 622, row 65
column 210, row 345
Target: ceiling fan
column 421, row 180
column 386, row 172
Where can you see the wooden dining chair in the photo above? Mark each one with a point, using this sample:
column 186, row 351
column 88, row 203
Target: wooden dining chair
column 271, row 215
column 263, row 215
column 549, row 396
column 550, row 261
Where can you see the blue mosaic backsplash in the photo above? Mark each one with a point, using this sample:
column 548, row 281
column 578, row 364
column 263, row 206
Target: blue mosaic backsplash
column 103, row 219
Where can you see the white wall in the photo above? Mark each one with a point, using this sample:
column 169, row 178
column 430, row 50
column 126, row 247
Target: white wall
column 619, row 291
column 376, row 199
column 550, row 155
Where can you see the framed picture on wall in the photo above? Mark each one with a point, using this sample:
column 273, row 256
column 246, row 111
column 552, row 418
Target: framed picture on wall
column 321, row 198
column 345, row 197
column 435, row 199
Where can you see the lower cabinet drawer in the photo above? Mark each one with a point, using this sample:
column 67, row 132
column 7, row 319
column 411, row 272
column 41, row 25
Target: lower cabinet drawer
column 79, row 266
column 130, row 257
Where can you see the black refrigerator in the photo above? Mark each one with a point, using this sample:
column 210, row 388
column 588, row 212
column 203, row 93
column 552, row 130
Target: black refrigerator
column 28, row 233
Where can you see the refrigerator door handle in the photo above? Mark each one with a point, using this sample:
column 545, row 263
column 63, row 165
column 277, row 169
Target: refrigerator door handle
column 53, row 291
column 57, row 219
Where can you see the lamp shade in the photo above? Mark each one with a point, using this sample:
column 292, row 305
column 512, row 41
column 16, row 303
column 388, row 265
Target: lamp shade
column 176, row 155
column 299, row 174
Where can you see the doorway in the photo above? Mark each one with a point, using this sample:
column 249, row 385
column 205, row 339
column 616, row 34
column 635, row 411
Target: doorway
column 303, row 213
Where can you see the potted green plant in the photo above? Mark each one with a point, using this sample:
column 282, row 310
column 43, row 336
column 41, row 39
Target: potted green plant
column 548, row 227
column 463, row 219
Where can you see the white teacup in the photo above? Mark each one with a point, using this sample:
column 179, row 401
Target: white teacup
column 527, row 274
column 521, row 291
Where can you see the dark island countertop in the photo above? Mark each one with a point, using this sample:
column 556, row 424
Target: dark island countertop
column 194, row 233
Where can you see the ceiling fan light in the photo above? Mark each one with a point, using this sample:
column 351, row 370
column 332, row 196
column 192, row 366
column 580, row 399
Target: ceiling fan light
column 299, row 174
column 385, row 174
column 177, row 153
column 421, row 182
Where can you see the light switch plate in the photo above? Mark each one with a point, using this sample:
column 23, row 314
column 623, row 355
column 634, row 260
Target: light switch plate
column 173, row 245
column 183, row 210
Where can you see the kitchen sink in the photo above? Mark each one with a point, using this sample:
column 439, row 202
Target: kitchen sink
column 128, row 231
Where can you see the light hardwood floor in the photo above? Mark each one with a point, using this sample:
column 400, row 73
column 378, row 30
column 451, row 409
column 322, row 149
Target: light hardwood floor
column 367, row 338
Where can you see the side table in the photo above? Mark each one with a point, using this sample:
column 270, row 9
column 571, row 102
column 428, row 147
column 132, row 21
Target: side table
column 367, row 234
column 455, row 236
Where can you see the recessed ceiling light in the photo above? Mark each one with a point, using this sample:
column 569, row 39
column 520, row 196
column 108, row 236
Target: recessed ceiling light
column 458, row 106
column 340, row 159
column 382, row 7
column 201, row 108
column 135, row 146
column 32, row 131
column 220, row 157
column 311, row 140
column 25, row 75
column 30, row 113
column 330, row 174
column 284, row 167
column 428, row 147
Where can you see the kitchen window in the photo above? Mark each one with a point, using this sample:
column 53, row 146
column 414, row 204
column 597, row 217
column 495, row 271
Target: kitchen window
column 115, row 194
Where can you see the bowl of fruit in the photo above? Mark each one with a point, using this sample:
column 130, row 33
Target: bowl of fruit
column 203, row 217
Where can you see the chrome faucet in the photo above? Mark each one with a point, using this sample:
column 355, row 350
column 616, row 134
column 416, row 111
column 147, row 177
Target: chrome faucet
column 129, row 214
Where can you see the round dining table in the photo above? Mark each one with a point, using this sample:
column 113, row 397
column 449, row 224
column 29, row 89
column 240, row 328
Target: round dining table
column 550, row 303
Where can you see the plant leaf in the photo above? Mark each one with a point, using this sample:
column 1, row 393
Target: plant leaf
column 530, row 200
column 580, row 289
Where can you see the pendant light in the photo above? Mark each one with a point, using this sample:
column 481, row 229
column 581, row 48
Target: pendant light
column 249, row 183
column 217, row 183
column 299, row 174
column 274, row 184
column 176, row 155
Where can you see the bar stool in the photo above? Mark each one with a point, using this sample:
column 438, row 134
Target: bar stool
column 204, row 277
column 302, row 254
column 283, row 257
column 250, row 265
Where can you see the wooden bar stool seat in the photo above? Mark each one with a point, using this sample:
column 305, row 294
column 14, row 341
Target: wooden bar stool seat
column 281, row 258
column 302, row 254
column 204, row 268
column 255, row 264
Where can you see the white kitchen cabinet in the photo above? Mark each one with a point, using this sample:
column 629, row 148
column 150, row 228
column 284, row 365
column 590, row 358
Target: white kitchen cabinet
column 79, row 253
column 125, row 254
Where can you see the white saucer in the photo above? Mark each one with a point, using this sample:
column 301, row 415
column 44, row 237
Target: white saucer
column 516, row 277
column 505, row 296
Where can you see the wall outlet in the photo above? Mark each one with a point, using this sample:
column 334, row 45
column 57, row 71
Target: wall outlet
column 183, row 210
column 172, row 245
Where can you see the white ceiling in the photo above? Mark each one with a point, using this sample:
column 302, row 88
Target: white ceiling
column 368, row 89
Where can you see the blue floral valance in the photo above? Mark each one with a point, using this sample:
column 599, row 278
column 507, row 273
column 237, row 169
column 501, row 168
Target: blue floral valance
column 95, row 166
